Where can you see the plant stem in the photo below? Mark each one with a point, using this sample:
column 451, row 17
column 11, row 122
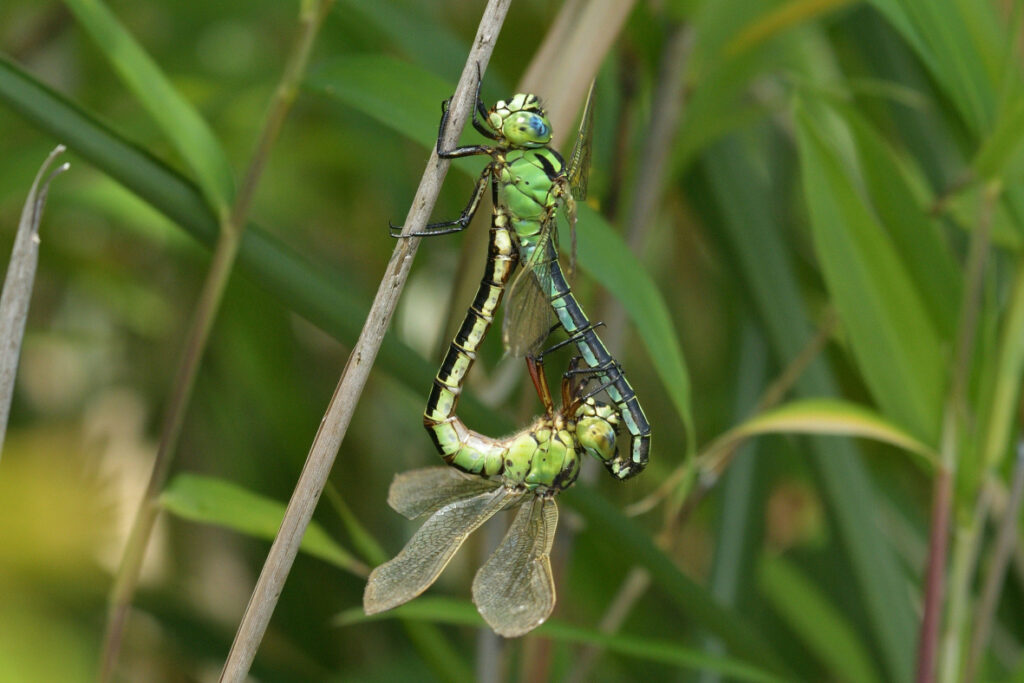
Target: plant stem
column 353, row 378
column 942, row 493
column 985, row 614
column 221, row 266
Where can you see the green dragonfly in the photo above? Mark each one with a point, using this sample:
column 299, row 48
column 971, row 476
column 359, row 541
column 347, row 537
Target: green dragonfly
column 514, row 590
column 529, row 182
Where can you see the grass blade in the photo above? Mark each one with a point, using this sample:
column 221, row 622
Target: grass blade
column 742, row 193
column 447, row 611
column 17, row 292
column 222, row 503
column 179, row 121
column 826, row 633
column 894, row 343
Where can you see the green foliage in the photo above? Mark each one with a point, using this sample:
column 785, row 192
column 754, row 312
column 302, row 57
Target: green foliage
column 831, row 169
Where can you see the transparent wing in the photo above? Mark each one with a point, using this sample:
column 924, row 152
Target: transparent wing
column 417, row 492
column 579, row 159
column 514, row 590
column 419, row 563
column 528, row 316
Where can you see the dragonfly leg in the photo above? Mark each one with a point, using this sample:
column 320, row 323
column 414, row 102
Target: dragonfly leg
column 482, row 127
column 470, row 150
column 540, row 382
column 447, row 227
column 569, row 340
column 573, row 393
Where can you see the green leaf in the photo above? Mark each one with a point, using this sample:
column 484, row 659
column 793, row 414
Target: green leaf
column 224, row 504
column 960, row 44
column 825, row 632
column 692, row 599
column 607, row 258
column 179, row 121
column 894, row 342
column 742, row 193
column 327, row 299
column 825, row 416
column 462, row 613
column 403, row 96
column 915, row 234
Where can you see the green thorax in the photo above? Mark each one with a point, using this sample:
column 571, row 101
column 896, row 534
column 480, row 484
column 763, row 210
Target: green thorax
column 525, row 190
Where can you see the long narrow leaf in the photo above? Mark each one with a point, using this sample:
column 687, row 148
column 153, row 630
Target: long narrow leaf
column 895, row 344
column 826, row 416
column 449, row 611
column 223, row 503
column 177, row 118
column 693, row 600
column 741, row 192
column 327, row 300
column 17, row 292
column 826, row 633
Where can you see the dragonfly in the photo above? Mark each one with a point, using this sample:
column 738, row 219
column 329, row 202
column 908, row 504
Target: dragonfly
column 514, row 590
column 529, row 182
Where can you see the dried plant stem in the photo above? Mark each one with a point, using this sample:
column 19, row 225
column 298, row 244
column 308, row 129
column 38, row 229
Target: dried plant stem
column 17, row 292
column 221, row 266
column 353, row 378
column 942, row 493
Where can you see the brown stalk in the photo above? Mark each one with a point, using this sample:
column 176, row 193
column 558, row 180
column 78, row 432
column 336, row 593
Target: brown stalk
column 339, row 412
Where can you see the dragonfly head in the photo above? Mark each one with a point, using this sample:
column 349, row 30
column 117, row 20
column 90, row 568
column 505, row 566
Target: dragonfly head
column 596, row 427
column 522, row 121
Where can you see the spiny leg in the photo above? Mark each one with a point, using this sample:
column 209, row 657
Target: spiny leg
column 469, row 150
column 571, row 395
column 457, row 225
column 578, row 335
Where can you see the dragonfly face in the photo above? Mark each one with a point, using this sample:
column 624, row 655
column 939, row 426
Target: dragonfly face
column 522, row 121
column 596, row 428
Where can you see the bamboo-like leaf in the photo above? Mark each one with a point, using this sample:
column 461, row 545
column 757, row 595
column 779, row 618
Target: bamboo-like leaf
column 825, row 632
column 825, row 416
column 17, row 292
column 222, row 503
column 692, row 599
column 743, row 195
column 961, row 44
column 914, row 233
column 448, row 611
column 894, row 342
column 176, row 117
column 781, row 18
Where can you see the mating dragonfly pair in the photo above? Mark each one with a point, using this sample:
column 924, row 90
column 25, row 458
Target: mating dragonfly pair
column 514, row 590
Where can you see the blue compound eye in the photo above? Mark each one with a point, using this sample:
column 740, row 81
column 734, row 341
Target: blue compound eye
column 539, row 126
column 527, row 129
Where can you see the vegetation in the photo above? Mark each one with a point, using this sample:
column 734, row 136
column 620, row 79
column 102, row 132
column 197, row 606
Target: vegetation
column 803, row 234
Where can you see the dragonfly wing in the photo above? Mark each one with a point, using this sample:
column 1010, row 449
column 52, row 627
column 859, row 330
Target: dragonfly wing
column 528, row 316
column 418, row 492
column 579, row 159
column 514, row 590
column 420, row 562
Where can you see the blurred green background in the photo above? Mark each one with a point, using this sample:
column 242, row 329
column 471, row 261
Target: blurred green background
column 802, row 183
